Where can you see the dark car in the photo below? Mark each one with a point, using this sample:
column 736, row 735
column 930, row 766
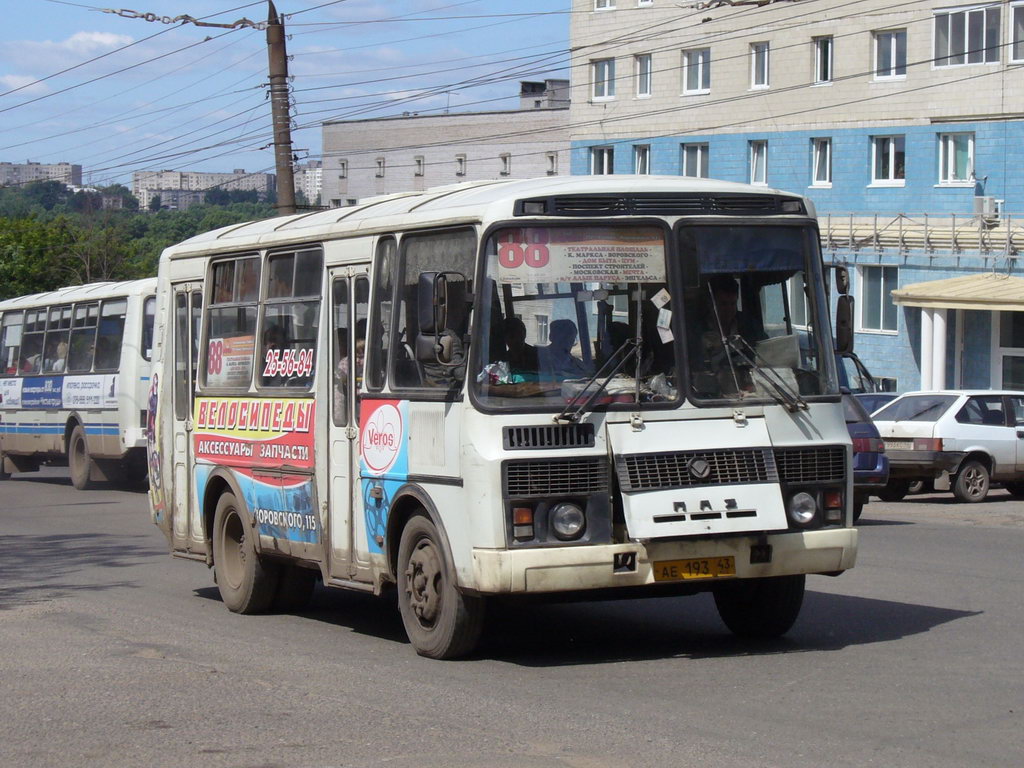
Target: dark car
column 870, row 464
column 872, row 401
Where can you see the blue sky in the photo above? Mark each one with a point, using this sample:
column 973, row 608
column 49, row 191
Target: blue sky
column 117, row 94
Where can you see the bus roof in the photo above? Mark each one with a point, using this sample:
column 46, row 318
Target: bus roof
column 464, row 203
column 90, row 291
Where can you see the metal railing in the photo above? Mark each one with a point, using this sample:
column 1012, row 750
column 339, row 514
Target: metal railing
column 953, row 234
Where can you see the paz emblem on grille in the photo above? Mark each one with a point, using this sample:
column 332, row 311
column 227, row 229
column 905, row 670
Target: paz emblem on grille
column 699, row 469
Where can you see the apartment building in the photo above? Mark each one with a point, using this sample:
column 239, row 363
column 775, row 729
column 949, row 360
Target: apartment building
column 365, row 158
column 148, row 184
column 309, row 179
column 901, row 121
column 22, row 173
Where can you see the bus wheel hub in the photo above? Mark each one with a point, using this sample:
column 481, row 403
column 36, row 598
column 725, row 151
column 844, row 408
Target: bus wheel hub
column 423, row 580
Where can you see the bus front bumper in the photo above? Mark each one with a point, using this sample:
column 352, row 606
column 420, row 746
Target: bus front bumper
column 569, row 569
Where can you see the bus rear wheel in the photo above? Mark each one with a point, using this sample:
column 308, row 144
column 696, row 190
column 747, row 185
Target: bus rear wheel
column 761, row 608
column 441, row 622
column 246, row 584
column 79, row 459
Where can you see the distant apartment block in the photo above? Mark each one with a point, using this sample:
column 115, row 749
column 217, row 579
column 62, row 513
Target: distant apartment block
column 22, row 173
column 147, row 184
column 309, row 180
column 365, row 158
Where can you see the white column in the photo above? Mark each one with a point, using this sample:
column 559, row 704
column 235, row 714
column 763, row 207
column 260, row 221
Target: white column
column 939, row 349
column 926, row 349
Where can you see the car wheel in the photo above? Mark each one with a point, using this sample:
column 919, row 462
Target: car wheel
column 894, row 490
column 1016, row 489
column 760, row 608
column 972, row 482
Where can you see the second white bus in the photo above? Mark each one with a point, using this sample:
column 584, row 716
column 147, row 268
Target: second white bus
column 74, row 380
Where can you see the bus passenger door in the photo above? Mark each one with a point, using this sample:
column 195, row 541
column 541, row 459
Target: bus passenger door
column 350, row 289
column 187, row 298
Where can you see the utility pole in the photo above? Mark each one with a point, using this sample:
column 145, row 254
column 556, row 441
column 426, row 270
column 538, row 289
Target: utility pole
column 280, row 112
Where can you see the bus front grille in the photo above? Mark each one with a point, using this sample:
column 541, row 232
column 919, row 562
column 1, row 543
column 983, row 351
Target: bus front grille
column 811, row 465
column 684, row 469
column 555, row 477
column 548, row 436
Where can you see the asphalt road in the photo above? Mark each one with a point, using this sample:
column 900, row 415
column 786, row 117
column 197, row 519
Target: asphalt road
column 113, row 654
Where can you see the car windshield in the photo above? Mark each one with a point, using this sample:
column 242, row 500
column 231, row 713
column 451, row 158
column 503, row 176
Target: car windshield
column 854, row 411
column 916, row 408
column 755, row 321
column 570, row 306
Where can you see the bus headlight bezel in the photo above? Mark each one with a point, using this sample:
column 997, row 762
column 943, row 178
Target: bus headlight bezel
column 802, row 509
column 568, row 521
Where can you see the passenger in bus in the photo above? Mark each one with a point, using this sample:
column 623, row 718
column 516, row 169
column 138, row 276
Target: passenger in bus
column 55, row 359
column 522, row 357
column 723, row 320
column 556, row 359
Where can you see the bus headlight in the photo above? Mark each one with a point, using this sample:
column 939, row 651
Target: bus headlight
column 802, row 508
column 568, row 521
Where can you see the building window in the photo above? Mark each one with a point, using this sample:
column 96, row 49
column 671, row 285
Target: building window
column 603, row 76
column 877, row 310
column 420, row 165
column 343, row 169
column 642, row 158
column 604, row 5
column 602, row 161
column 380, row 167
column 642, row 66
column 822, row 162
column 506, row 163
column 758, row 162
column 1017, row 33
column 695, row 161
column 822, row 60
column 968, row 36
column 891, row 54
column 460, row 165
column 889, row 160
column 697, row 70
column 759, row 65
column 956, row 158
column 552, row 163
column 642, row 3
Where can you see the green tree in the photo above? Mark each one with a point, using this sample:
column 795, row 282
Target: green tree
column 154, row 203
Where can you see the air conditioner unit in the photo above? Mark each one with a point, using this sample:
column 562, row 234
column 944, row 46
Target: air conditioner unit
column 986, row 207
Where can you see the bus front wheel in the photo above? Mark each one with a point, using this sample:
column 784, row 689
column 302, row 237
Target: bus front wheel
column 246, row 584
column 441, row 622
column 79, row 459
column 761, row 608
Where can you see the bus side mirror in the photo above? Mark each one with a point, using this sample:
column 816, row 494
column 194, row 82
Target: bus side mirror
column 432, row 302
column 842, row 280
column 844, row 324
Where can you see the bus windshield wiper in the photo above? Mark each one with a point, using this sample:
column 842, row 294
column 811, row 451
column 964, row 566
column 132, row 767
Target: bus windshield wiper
column 574, row 409
column 783, row 392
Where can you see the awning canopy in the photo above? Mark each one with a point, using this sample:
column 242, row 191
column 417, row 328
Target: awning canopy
column 987, row 291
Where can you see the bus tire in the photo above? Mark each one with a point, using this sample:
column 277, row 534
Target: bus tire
column 79, row 460
column 294, row 589
column 761, row 608
column 246, row 583
column 441, row 622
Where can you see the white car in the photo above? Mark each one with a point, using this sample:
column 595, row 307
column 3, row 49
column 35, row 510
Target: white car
column 966, row 438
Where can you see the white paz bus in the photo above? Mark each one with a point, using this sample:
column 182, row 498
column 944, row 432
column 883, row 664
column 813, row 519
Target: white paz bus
column 74, row 378
column 607, row 385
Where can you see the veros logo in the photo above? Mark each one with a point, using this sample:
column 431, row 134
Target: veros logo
column 381, row 440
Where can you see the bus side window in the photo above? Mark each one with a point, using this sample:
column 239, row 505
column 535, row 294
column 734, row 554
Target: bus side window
column 83, row 337
column 110, row 334
column 453, row 253
column 230, row 323
column 291, row 318
column 58, row 327
column 10, row 342
column 31, row 356
column 379, row 338
column 361, row 304
column 342, row 348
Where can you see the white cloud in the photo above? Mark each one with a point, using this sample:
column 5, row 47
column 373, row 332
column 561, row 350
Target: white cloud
column 11, row 82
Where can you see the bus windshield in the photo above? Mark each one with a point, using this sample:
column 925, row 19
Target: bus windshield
column 562, row 304
column 756, row 323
